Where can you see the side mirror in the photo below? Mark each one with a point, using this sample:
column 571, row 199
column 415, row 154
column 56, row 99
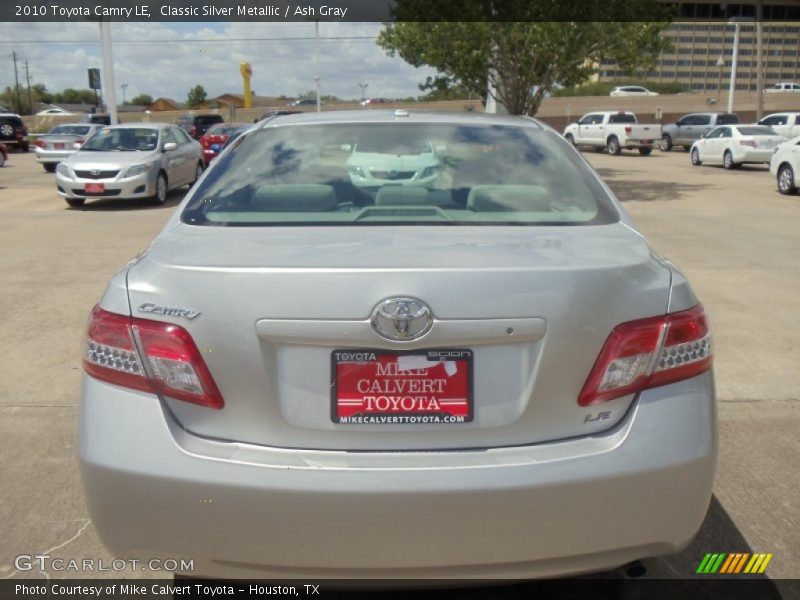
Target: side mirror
column 169, row 147
column 346, row 147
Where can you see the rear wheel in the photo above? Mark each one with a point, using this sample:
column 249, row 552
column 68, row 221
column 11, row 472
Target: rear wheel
column 696, row 157
column 50, row 167
column 786, row 180
column 160, row 197
column 666, row 143
column 727, row 160
column 645, row 151
column 613, row 147
column 75, row 202
column 198, row 171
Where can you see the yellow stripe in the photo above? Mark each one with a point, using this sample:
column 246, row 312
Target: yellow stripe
column 741, row 562
column 754, row 561
column 727, row 563
column 764, row 564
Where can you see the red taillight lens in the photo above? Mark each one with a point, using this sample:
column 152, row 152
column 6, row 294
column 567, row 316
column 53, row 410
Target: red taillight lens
column 174, row 366
column 628, row 129
column 41, row 144
column 648, row 353
column 78, row 141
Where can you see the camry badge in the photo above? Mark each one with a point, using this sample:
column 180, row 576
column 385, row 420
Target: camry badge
column 167, row 311
column 402, row 319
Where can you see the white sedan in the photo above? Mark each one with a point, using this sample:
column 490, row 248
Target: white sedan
column 734, row 145
column 785, row 165
column 632, row 90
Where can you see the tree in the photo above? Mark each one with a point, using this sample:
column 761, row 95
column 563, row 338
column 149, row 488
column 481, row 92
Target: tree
column 524, row 47
column 142, row 100
column 197, row 95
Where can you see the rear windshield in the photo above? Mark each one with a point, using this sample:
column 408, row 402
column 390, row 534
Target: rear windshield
column 225, row 129
column 208, row 120
column 122, row 140
column 727, row 119
column 622, row 118
column 399, row 174
column 756, row 130
column 71, row 129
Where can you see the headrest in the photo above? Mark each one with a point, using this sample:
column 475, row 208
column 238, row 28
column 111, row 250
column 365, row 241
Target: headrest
column 305, row 197
column 508, row 198
column 402, row 195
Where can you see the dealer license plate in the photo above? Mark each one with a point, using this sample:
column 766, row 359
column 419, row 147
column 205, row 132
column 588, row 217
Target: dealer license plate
column 380, row 387
column 94, row 188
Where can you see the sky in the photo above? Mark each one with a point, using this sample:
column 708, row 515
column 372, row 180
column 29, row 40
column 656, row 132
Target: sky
column 166, row 59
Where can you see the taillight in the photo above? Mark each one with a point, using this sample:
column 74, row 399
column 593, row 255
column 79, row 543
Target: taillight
column 78, row 141
column 628, row 129
column 649, row 353
column 174, row 366
column 41, row 144
column 193, row 131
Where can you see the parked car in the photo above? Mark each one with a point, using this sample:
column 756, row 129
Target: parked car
column 58, row 143
column 54, row 111
column 13, row 131
column 783, row 86
column 135, row 160
column 785, row 165
column 613, row 130
column 735, row 145
column 371, row 101
column 786, row 124
column 305, row 102
column 376, row 163
column 217, row 136
column 631, row 90
column 504, row 383
column 690, row 128
column 3, row 155
column 197, row 125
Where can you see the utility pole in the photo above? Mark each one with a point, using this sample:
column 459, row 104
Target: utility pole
column 16, row 82
column 363, row 87
column 732, row 87
column 759, row 60
column 28, row 81
column 124, row 86
column 316, row 77
column 109, row 90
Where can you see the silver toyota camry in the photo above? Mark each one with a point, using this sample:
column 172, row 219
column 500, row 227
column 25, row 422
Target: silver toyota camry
column 134, row 160
column 490, row 375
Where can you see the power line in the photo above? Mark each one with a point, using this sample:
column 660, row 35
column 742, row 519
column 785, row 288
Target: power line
column 339, row 39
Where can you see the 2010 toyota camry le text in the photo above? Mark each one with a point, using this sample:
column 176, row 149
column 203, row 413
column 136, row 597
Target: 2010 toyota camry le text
column 321, row 370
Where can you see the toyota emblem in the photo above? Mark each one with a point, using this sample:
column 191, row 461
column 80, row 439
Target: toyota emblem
column 402, row 319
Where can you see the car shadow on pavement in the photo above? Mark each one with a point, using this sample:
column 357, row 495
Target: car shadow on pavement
column 111, row 204
column 628, row 190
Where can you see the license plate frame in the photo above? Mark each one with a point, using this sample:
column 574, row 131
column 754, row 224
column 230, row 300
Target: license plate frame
column 94, row 188
column 445, row 400
column 59, row 146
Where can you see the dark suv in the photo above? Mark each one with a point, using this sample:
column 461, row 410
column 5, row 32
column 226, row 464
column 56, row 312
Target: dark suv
column 197, row 125
column 13, row 131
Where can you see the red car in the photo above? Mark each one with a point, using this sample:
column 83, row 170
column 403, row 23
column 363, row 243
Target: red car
column 3, row 155
column 214, row 139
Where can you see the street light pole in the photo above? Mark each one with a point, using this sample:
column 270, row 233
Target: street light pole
column 109, row 89
column 759, row 60
column 732, row 88
column 124, row 86
column 316, row 77
column 720, row 64
column 363, row 87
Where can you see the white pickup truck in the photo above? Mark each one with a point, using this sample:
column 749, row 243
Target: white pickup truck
column 613, row 131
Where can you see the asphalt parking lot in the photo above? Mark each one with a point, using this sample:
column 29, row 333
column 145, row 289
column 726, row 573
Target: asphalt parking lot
column 731, row 232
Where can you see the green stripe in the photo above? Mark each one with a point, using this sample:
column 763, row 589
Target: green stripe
column 702, row 566
column 718, row 564
column 710, row 563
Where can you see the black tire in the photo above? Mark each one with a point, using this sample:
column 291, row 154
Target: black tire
column 666, row 143
column 49, row 167
column 570, row 139
column 645, row 151
column 696, row 157
column 198, row 171
column 786, row 184
column 75, row 202
column 2, row 160
column 8, row 131
column 160, row 197
column 727, row 160
column 26, row 147
column 613, row 147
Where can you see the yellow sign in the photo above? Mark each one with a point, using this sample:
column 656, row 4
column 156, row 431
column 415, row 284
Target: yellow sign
column 247, row 72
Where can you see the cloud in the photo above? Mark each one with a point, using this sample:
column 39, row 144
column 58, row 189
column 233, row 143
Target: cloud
column 209, row 54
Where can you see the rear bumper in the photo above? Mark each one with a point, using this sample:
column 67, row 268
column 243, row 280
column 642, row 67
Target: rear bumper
column 587, row 504
column 140, row 186
column 52, row 156
column 754, row 155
